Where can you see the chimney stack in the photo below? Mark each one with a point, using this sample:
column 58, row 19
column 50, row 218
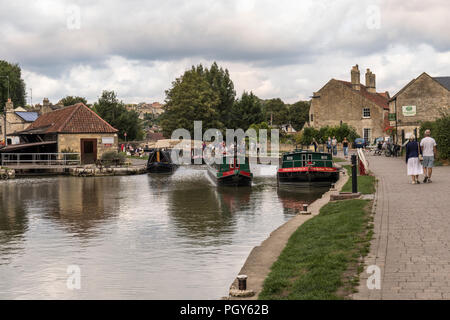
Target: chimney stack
column 355, row 76
column 9, row 105
column 45, row 106
column 370, row 81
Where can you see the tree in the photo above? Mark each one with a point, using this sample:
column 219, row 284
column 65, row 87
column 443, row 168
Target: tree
column 114, row 112
column 71, row 100
column 276, row 112
column 246, row 111
column 191, row 98
column 16, row 84
column 220, row 82
column 299, row 114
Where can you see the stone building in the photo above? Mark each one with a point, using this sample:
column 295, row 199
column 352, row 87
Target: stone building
column 425, row 98
column 16, row 120
column 71, row 129
column 353, row 103
column 155, row 109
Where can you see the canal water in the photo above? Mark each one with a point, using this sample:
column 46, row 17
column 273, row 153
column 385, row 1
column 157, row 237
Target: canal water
column 135, row 237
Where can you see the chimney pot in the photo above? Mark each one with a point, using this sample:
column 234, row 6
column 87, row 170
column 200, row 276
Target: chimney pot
column 355, row 78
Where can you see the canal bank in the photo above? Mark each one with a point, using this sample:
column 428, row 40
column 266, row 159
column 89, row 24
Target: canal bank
column 260, row 260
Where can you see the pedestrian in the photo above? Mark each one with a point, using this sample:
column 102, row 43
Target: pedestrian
column 329, row 145
column 428, row 145
column 414, row 168
column 345, row 147
column 314, row 142
column 334, row 145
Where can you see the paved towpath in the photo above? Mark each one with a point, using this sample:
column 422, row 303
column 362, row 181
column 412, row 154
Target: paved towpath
column 411, row 244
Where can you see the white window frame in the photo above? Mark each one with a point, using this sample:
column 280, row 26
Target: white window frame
column 364, row 111
column 369, row 135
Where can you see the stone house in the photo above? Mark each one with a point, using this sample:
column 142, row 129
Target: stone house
column 71, row 129
column 353, row 103
column 425, row 98
column 16, row 120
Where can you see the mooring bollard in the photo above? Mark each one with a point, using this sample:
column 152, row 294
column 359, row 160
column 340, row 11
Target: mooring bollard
column 354, row 175
column 242, row 282
column 305, row 207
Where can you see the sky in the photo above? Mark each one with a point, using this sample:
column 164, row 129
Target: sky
column 284, row 49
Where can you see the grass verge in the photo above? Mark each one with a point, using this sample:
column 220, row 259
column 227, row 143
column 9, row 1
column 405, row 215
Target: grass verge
column 366, row 184
column 336, row 159
column 321, row 260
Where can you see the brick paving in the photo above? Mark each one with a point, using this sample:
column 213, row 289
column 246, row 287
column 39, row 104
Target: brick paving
column 411, row 234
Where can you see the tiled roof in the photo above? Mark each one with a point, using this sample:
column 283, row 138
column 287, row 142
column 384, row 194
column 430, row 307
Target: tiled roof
column 379, row 98
column 74, row 119
column 444, row 81
column 27, row 116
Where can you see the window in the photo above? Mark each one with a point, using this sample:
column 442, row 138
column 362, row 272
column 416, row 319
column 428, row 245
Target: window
column 366, row 112
column 312, row 117
column 367, row 134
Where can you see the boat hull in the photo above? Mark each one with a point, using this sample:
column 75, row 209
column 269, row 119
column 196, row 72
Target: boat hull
column 308, row 176
column 160, row 167
column 232, row 180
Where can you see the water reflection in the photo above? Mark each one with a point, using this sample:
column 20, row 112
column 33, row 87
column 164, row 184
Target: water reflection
column 154, row 237
column 293, row 198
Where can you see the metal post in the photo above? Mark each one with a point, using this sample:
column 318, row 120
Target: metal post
column 354, row 175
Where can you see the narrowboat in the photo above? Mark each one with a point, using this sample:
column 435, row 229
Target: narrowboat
column 307, row 168
column 159, row 161
column 231, row 174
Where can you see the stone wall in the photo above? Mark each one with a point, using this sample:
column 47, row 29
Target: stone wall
column 430, row 99
column 336, row 102
column 72, row 141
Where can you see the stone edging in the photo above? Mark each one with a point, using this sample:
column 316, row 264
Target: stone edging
column 261, row 258
column 6, row 173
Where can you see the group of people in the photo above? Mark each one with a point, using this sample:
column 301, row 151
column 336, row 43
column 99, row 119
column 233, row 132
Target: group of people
column 332, row 145
column 420, row 157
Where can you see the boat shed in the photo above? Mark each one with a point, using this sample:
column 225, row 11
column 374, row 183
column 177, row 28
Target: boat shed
column 73, row 129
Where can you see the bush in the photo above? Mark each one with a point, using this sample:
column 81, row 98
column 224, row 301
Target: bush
column 440, row 131
column 111, row 157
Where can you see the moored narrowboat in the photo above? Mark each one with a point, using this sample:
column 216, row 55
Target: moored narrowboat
column 231, row 174
column 306, row 168
column 159, row 161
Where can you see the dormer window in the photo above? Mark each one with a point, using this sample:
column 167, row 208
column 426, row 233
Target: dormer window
column 366, row 113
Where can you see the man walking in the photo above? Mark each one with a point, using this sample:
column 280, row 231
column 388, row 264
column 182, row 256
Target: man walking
column 428, row 145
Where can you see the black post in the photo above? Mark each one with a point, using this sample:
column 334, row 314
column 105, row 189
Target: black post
column 354, row 175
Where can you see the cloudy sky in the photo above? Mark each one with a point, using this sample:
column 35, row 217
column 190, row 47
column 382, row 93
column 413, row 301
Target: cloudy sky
column 275, row 48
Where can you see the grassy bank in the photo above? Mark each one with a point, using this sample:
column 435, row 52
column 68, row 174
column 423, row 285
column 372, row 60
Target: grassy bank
column 366, row 184
column 321, row 258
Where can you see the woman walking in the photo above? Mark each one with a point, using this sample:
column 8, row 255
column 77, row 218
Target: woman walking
column 414, row 167
column 345, row 147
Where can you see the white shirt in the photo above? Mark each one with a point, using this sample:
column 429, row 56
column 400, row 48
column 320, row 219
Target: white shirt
column 427, row 145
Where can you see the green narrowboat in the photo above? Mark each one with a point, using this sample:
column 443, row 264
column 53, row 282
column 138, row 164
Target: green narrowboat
column 307, row 168
column 231, row 174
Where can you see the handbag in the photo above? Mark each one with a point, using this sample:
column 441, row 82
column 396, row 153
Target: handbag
column 420, row 154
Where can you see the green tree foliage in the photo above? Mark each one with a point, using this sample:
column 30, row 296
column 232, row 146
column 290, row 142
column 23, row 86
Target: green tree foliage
column 114, row 112
column 321, row 135
column 16, row 84
column 440, row 131
column 220, row 82
column 191, row 98
column 71, row 100
column 276, row 112
column 246, row 111
column 299, row 114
